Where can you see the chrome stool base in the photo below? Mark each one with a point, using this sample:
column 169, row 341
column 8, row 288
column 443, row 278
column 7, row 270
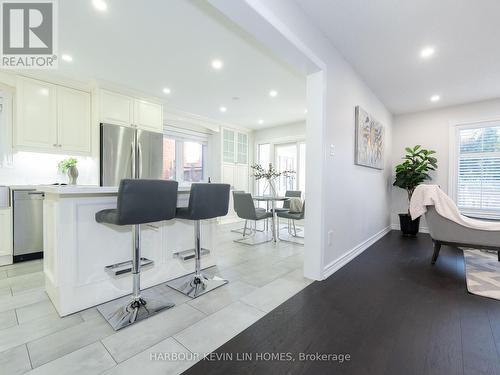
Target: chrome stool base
column 195, row 285
column 119, row 315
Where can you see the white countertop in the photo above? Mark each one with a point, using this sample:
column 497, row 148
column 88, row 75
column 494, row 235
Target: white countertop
column 88, row 189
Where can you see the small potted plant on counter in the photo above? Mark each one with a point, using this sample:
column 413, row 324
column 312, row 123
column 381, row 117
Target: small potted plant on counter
column 68, row 166
column 415, row 169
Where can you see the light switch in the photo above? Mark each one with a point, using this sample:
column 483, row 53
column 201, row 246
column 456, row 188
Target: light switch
column 332, row 150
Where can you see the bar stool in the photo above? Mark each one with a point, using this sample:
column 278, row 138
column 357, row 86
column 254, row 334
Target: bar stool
column 139, row 202
column 206, row 201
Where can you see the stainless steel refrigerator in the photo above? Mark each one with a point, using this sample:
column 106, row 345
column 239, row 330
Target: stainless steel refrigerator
column 129, row 153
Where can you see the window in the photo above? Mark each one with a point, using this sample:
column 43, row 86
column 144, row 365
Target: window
column 284, row 156
column 184, row 159
column 477, row 185
column 263, row 157
column 286, row 160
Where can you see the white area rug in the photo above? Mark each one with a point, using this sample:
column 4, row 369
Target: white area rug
column 482, row 271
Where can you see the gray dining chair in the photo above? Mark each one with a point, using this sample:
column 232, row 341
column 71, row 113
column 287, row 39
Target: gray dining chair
column 240, row 230
column 245, row 209
column 292, row 217
column 286, row 204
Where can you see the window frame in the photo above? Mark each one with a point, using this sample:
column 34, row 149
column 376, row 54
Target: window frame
column 179, row 139
column 454, row 164
column 272, row 155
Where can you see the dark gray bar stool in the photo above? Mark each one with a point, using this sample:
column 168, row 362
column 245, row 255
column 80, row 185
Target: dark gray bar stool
column 139, row 202
column 206, row 201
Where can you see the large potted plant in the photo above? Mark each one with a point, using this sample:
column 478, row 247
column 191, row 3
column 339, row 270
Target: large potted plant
column 418, row 162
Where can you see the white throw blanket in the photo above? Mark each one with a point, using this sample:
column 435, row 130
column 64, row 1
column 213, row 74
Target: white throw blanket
column 295, row 205
column 432, row 195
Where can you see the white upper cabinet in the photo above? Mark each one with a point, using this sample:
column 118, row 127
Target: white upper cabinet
column 242, row 149
column 124, row 110
column 148, row 115
column 228, row 149
column 116, row 108
column 52, row 118
column 73, row 120
column 36, row 114
column 234, row 147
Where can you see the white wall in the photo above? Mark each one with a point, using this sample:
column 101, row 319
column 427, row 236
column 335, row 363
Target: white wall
column 355, row 201
column 431, row 130
column 281, row 133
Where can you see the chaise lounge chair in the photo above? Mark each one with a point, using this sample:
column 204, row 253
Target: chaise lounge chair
column 446, row 232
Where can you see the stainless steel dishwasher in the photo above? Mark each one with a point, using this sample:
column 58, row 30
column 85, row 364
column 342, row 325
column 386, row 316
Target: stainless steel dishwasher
column 27, row 212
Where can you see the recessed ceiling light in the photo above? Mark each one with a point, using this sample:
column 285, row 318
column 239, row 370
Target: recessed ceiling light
column 427, row 52
column 223, row 109
column 217, row 64
column 100, row 5
column 305, row 111
column 44, row 91
column 435, row 98
column 260, row 122
column 273, row 93
column 166, row 90
column 66, row 58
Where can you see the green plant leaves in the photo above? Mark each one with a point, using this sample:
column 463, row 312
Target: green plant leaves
column 415, row 168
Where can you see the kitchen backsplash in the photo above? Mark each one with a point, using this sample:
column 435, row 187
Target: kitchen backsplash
column 31, row 168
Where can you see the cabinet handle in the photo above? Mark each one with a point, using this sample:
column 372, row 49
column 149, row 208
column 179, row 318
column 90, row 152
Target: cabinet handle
column 55, row 145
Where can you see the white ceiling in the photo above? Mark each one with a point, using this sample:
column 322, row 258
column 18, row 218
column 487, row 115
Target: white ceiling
column 382, row 40
column 149, row 45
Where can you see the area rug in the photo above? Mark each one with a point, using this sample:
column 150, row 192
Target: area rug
column 482, row 271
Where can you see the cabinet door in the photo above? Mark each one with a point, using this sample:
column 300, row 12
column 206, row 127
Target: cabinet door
column 228, row 174
column 148, row 116
column 242, row 148
column 228, row 147
column 5, row 231
column 116, row 108
column 36, row 115
column 73, row 120
column 241, row 177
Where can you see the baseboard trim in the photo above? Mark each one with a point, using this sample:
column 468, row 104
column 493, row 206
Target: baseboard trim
column 334, row 266
column 421, row 229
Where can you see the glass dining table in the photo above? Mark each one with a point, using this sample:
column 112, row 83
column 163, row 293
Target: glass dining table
column 271, row 205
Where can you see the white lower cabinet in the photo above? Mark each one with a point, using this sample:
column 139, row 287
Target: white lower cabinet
column 5, row 235
column 237, row 176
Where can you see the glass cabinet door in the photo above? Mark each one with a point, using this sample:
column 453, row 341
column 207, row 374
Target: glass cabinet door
column 228, row 146
column 242, row 148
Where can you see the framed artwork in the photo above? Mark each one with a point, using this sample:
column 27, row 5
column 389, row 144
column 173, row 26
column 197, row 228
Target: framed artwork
column 369, row 143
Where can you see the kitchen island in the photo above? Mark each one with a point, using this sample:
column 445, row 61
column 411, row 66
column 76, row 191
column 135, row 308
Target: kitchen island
column 77, row 249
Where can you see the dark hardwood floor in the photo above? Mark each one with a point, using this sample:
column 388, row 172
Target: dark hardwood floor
column 389, row 309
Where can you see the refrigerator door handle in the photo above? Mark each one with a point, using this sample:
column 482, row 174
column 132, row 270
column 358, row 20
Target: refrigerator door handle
column 139, row 159
column 132, row 157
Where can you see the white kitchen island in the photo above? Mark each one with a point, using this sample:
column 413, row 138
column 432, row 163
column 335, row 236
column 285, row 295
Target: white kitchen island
column 77, row 249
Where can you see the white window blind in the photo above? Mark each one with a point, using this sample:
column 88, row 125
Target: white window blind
column 478, row 177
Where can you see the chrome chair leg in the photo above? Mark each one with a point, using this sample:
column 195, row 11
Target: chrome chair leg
column 196, row 284
column 139, row 307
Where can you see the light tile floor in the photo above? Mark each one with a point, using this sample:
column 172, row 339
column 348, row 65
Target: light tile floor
column 34, row 339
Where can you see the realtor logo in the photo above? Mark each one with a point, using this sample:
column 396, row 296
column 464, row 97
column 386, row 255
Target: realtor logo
column 29, row 34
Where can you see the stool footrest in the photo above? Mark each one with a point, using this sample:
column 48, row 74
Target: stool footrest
column 189, row 254
column 123, row 268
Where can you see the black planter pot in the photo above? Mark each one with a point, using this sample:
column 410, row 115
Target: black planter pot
column 409, row 227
